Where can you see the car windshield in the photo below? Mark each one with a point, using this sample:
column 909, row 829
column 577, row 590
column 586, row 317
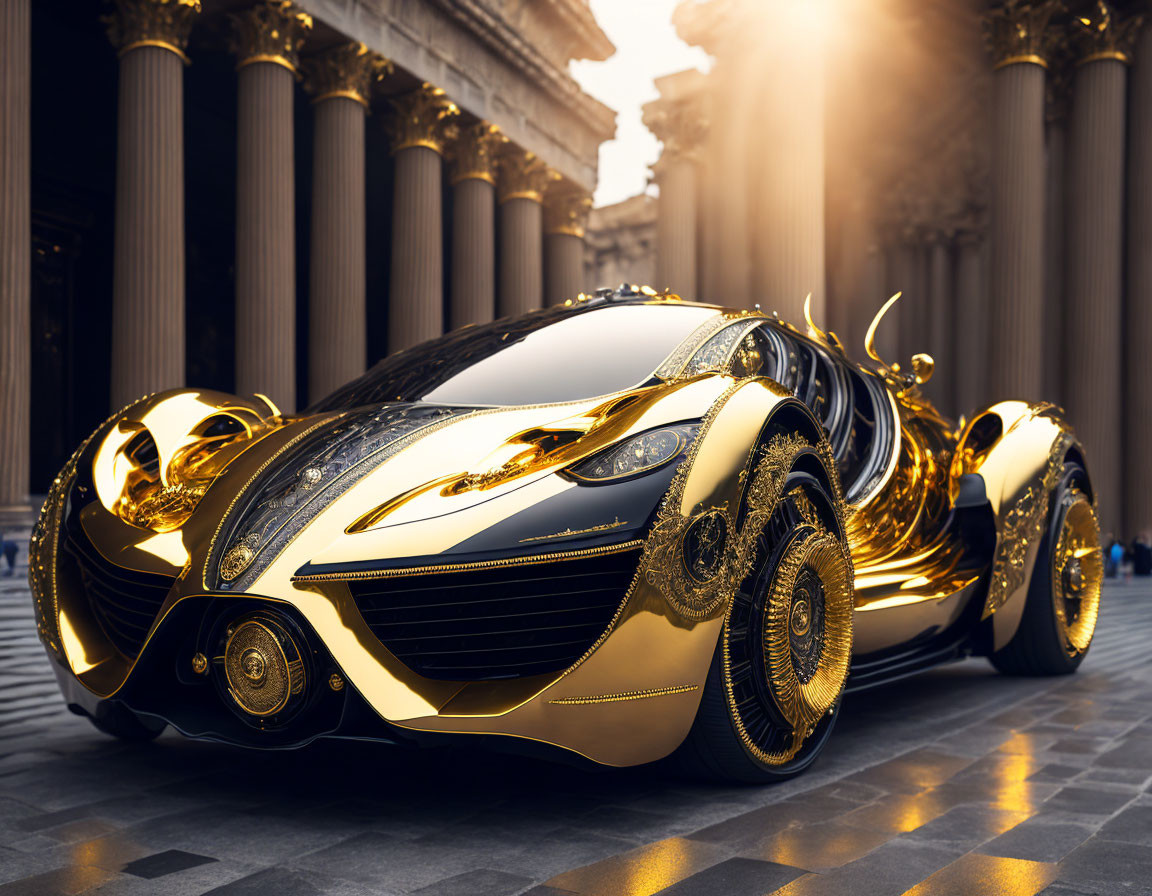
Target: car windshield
column 549, row 356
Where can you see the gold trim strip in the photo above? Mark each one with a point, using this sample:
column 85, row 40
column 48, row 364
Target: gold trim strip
column 569, row 533
column 626, row 695
column 153, row 42
column 1115, row 55
column 341, row 94
column 1023, row 58
column 427, row 144
column 534, row 195
column 273, row 58
column 474, row 175
column 465, row 567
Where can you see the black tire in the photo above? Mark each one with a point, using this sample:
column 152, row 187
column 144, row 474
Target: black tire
column 715, row 747
column 1041, row 645
column 116, row 720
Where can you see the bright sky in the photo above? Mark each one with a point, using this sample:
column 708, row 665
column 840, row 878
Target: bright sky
column 646, row 48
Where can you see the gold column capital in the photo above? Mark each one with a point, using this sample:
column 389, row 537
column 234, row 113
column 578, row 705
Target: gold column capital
column 272, row 31
column 523, row 175
column 566, row 208
column 422, row 118
column 1101, row 34
column 1018, row 32
column 152, row 23
column 474, row 152
column 349, row 70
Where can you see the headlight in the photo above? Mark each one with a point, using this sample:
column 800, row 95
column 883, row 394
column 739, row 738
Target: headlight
column 639, row 454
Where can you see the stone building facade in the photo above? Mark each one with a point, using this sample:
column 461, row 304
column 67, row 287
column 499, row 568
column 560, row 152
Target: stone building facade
column 993, row 160
column 264, row 196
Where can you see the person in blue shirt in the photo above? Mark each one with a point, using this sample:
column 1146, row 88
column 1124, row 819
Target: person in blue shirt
column 8, row 548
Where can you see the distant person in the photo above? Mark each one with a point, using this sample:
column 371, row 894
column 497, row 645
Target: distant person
column 9, row 551
column 1115, row 559
column 1142, row 554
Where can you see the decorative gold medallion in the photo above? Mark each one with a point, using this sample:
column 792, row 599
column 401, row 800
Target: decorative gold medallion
column 263, row 666
column 237, row 560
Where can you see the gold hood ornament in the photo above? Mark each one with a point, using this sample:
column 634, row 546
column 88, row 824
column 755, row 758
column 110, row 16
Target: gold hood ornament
column 922, row 364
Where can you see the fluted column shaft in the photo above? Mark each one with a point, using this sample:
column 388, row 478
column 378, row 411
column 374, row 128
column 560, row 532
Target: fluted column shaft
column 265, row 235
column 336, row 349
column 473, row 288
column 1093, row 313
column 148, row 258
column 1138, row 324
column 563, row 267
column 15, row 251
column 971, row 326
column 789, row 163
column 940, row 321
column 676, row 226
column 1017, row 232
column 416, row 302
column 521, row 256
column 1055, row 223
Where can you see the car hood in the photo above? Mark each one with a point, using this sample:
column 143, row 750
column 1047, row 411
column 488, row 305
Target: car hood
column 403, row 480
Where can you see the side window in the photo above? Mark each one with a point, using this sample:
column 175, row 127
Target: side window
column 753, row 355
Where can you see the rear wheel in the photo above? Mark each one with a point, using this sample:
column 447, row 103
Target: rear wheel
column 1063, row 599
column 773, row 690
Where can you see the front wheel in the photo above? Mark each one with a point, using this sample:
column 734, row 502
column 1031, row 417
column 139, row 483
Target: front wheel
column 1063, row 598
column 773, row 690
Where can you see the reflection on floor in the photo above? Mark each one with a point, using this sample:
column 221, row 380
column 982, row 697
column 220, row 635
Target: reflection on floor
column 956, row 782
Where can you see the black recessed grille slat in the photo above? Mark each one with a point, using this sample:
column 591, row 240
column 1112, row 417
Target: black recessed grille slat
column 124, row 601
column 506, row 622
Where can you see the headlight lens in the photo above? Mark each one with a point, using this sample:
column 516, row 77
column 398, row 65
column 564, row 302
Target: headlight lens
column 640, row 454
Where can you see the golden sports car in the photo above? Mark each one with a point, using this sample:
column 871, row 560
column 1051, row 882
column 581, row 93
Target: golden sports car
column 628, row 528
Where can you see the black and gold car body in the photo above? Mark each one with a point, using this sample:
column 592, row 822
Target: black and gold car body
column 628, row 528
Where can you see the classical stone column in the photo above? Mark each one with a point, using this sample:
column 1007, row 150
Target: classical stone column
column 971, row 325
column 416, row 297
column 1138, row 322
column 1093, row 314
column 472, row 291
column 940, row 322
column 15, row 252
column 681, row 127
column 787, row 157
column 340, row 81
column 1055, row 228
column 1020, row 41
column 266, row 40
column 566, row 209
column 148, row 255
column 523, row 179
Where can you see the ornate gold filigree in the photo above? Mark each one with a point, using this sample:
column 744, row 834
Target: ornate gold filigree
column 626, row 695
column 167, row 508
column 348, row 70
column 422, row 116
column 566, row 209
column 570, row 532
column 523, row 175
column 1023, row 526
column 152, row 23
column 272, row 31
column 1018, row 32
column 1103, row 35
column 474, row 152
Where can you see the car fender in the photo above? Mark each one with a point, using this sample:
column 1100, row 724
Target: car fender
column 1018, row 449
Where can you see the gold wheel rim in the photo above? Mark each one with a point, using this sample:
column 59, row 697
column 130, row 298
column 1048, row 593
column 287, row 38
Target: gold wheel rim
column 802, row 703
column 1077, row 575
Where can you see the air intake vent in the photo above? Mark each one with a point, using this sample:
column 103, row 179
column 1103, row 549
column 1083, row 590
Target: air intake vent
column 125, row 602
column 507, row 622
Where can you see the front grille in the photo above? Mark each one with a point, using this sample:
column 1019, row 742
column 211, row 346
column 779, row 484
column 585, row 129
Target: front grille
column 507, row 622
column 124, row 601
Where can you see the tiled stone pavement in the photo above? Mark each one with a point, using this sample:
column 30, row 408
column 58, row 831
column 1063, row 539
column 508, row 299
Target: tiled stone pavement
column 956, row 782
